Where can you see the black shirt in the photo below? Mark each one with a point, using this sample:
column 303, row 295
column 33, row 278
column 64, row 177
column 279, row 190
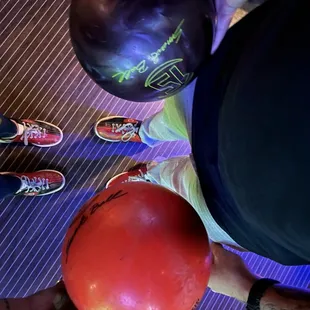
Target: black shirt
column 251, row 132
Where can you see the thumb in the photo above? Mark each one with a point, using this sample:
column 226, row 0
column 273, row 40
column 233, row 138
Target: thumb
column 216, row 249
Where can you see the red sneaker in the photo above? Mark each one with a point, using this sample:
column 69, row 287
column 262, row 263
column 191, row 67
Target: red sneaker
column 38, row 133
column 135, row 174
column 118, row 129
column 40, row 183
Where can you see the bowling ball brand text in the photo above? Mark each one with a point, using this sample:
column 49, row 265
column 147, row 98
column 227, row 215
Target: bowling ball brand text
column 86, row 213
column 153, row 57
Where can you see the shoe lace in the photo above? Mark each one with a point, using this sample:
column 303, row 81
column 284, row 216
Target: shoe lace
column 138, row 177
column 32, row 131
column 128, row 131
column 35, row 184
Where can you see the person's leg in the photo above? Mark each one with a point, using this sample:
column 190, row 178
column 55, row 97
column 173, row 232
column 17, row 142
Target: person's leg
column 173, row 122
column 170, row 124
column 8, row 128
column 178, row 174
column 9, row 185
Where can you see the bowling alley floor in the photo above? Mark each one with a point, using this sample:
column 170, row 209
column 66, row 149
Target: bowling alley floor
column 41, row 79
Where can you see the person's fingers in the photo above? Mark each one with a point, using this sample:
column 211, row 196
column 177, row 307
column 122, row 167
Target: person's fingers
column 215, row 246
column 60, row 285
column 217, row 250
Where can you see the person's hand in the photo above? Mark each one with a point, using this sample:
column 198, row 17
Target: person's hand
column 225, row 10
column 229, row 274
column 50, row 299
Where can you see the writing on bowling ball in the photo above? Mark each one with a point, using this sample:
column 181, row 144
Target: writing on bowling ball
column 195, row 306
column 175, row 37
column 90, row 209
column 125, row 75
column 167, row 77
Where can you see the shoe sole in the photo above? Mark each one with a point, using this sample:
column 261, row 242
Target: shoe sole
column 105, row 139
column 50, row 193
column 114, row 178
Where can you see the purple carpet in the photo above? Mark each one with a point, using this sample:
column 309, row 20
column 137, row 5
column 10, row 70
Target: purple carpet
column 40, row 78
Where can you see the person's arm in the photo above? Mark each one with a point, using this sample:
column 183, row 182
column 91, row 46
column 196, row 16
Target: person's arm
column 54, row 298
column 225, row 10
column 281, row 297
column 230, row 276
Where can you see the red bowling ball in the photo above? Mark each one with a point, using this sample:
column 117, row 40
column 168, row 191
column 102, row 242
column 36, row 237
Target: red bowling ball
column 136, row 246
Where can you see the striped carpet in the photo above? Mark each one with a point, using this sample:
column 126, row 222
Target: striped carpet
column 40, row 78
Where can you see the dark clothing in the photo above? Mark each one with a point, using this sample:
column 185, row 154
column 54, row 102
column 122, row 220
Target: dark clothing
column 253, row 106
column 9, row 185
column 7, row 127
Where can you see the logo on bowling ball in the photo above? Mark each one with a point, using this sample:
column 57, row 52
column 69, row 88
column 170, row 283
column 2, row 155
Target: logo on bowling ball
column 168, row 78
